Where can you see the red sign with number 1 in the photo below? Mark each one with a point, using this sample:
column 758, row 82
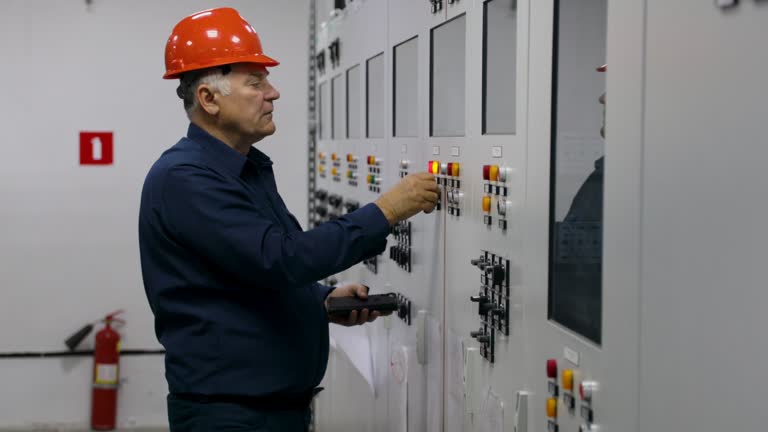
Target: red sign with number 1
column 96, row 148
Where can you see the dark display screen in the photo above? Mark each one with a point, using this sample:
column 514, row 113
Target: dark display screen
column 577, row 164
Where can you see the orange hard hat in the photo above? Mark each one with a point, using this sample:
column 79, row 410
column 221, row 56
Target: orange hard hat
column 213, row 37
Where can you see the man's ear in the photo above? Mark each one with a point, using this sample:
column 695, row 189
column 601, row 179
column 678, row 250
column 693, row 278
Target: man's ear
column 208, row 99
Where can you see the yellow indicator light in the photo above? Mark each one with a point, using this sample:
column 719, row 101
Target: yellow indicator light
column 334, row 156
column 568, row 380
column 454, row 169
column 321, row 168
column 552, row 408
column 494, row 174
column 435, row 167
column 334, row 171
column 487, row 204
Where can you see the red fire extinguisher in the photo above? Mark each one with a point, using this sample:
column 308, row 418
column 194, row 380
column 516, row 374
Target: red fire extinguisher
column 106, row 363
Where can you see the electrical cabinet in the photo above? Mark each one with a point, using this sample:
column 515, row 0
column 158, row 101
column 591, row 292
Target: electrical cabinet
column 546, row 283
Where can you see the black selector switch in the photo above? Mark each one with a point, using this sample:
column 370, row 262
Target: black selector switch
column 496, row 273
column 320, row 58
column 484, row 303
column 480, row 263
column 335, row 200
column 352, row 206
column 404, row 309
column 322, row 211
column 484, row 339
column 485, row 308
column 400, row 252
column 321, row 194
column 479, row 299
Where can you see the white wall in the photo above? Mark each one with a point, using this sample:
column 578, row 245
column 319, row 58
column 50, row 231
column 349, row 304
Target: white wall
column 68, row 234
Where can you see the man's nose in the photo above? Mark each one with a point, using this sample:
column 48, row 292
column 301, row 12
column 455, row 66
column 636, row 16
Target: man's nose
column 273, row 94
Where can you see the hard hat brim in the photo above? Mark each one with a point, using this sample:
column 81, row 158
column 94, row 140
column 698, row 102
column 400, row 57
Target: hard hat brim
column 259, row 59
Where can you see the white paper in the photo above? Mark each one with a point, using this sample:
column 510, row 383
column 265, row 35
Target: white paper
column 434, row 376
column 496, row 415
column 333, row 344
column 492, row 417
column 378, row 334
column 355, row 343
column 399, row 386
column 454, row 404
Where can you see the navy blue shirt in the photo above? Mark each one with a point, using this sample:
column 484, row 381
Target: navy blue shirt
column 231, row 277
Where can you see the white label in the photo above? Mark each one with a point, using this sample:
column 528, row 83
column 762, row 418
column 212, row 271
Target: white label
column 571, row 355
column 106, row 374
column 496, row 152
column 435, row 150
column 404, row 148
column 454, row 151
column 97, row 146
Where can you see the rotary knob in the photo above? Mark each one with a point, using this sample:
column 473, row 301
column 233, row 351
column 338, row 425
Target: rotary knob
column 477, row 262
column 457, row 195
column 587, row 390
column 351, row 206
column 335, row 200
column 479, row 299
column 504, row 173
column 485, row 308
column 503, row 207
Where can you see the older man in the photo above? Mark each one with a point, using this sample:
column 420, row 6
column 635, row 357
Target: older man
column 228, row 272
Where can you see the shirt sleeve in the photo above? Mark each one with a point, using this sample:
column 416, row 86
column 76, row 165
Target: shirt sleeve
column 323, row 291
column 216, row 219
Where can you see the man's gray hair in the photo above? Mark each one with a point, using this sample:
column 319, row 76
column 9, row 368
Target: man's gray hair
column 215, row 77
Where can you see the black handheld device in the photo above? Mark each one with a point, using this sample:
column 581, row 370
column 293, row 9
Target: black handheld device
column 376, row 302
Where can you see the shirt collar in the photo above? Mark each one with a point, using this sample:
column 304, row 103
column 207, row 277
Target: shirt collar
column 599, row 164
column 229, row 158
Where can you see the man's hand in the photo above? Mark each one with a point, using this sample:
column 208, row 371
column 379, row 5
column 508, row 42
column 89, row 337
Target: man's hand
column 413, row 194
column 354, row 318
